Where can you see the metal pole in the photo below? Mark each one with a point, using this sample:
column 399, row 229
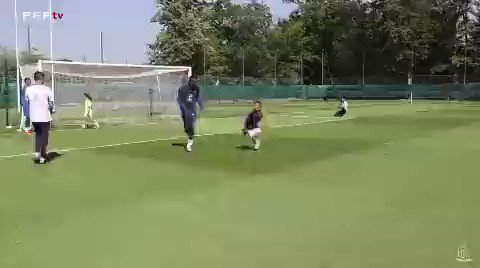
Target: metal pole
column 465, row 67
column 301, row 68
column 17, row 56
column 204, row 61
column 465, row 18
column 363, row 68
column 6, row 91
column 323, row 67
column 51, row 49
column 243, row 67
column 150, row 97
column 101, row 46
column 29, row 40
column 275, row 71
column 51, row 30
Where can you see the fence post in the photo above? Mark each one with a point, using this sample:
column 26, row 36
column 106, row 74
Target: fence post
column 243, row 66
column 275, row 70
column 301, row 68
column 363, row 68
column 323, row 62
column 5, row 93
column 150, row 97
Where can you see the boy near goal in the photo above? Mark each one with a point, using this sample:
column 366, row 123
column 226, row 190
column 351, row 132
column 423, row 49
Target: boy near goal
column 252, row 125
column 342, row 108
column 88, row 114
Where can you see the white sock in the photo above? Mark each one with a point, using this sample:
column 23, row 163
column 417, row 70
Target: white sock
column 190, row 142
column 37, row 155
column 256, row 146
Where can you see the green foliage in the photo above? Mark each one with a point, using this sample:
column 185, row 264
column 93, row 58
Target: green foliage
column 8, row 60
column 378, row 37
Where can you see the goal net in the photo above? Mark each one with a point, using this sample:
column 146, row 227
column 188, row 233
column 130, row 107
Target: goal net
column 121, row 93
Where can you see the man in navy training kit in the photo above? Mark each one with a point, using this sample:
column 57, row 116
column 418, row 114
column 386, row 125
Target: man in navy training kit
column 188, row 97
column 40, row 98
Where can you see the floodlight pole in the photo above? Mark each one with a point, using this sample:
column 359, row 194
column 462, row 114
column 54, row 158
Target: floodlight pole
column 243, row 66
column 301, row 67
column 363, row 68
column 17, row 56
column 204, row 61
column 465, row 68
column 323, row 62
column 7, row 123
column 275, row 70
column 51, row 49
column 29, row 42
column 101, row 46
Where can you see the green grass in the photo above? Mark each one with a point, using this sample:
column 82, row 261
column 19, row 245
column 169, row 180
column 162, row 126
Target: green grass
column 394, row 186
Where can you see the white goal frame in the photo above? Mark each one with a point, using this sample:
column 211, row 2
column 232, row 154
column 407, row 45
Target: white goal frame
column 41, row 63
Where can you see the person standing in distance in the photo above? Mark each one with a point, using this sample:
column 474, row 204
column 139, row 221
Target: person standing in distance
column 188, row 97
column 40, row 98
column 25, row 124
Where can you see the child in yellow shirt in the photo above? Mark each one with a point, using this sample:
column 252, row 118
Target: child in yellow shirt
column 89, row 113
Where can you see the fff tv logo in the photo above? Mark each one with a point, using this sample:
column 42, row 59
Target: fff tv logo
column 42, row 16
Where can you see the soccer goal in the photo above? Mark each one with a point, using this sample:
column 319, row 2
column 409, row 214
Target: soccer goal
column 121, row 93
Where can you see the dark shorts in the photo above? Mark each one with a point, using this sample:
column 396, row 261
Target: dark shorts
column 41, row 137
column 189, row 120
column 341, row 112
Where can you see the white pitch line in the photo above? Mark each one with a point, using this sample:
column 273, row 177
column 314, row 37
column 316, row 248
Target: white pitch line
column 80, row 129
column 300, row 116
column 162, row 139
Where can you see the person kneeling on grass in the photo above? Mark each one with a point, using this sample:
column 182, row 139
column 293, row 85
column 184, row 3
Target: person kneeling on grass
column 252, row 125
column 342, row 108
column 89, row 113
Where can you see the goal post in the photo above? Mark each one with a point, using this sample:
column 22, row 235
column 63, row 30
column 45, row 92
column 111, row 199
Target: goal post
column 122, row 93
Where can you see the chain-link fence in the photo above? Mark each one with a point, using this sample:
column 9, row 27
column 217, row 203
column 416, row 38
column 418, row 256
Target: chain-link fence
column 252, row 68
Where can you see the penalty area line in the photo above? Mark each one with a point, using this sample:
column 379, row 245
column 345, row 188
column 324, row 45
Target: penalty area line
column 66, row 150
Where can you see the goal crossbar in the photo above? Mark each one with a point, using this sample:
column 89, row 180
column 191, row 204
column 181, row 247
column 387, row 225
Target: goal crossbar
column 42, row 62
column 130, row 76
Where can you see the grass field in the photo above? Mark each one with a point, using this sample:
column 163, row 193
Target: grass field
column 392, row 185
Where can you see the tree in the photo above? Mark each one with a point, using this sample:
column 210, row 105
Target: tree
column 183, row 33
column 8, row 55
column 378, row 37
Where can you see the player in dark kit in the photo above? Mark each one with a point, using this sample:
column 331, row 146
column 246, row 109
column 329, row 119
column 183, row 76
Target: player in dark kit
column 188, row 97
column 252, row 125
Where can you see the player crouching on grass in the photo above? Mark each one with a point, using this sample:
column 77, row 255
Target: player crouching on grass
column 89, row 113
column 342, row 108
column 252, row 125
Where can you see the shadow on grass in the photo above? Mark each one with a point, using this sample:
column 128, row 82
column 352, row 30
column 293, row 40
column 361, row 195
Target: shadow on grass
column 179, row 144
column 51, row 156
column 245, row 148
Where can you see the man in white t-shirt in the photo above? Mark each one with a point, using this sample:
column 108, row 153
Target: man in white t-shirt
column 40, row 98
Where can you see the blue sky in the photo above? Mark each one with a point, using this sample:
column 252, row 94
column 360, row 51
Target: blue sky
column 125, row 25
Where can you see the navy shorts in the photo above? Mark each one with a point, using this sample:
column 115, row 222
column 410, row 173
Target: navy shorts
column 341, row 112
column 189, row 119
